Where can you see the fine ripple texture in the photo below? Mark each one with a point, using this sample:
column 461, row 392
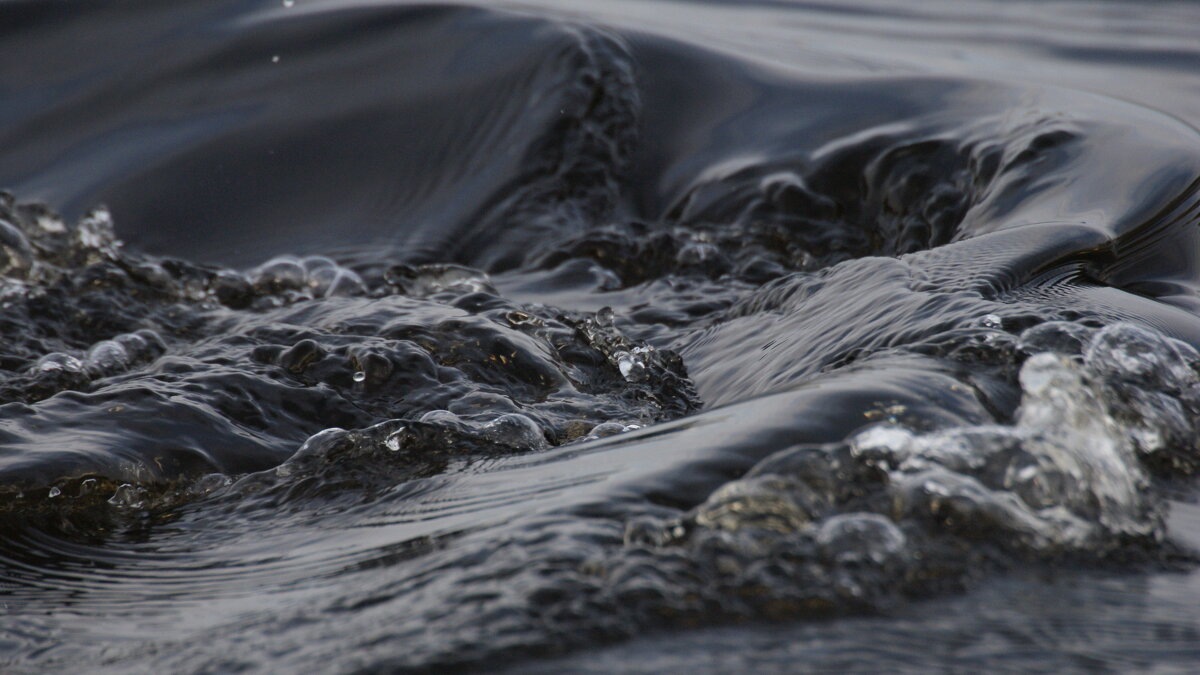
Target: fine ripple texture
column 355, row 336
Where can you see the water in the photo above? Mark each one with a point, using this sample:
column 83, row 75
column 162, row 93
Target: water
column 643, row 336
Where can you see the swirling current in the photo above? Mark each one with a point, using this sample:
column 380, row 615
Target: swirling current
column 599, row 336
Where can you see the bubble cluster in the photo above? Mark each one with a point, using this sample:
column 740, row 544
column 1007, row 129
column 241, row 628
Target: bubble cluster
column 433, row 279
column 246, row 364
column 305, row 278
column 509, row 432
column 893, row 510
column 391, row 451
column 59, row 371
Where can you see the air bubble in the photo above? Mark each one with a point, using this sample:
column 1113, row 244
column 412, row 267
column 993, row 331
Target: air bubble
column 860, row 538
column 515, row 430
column 320, row 279
column 284, row 273
column 107, row 357
column 231, row 289
column 133, row 345
column 315, row 450
column 311, row 263
column 764, row 502
column 154, row 342
column 1062, row 337
column 345, row 283
column 444, row 417
column 1127, row 353
column 605, row 429
column 211, row 482
column 58, row 362
column 55, row 492
column 360, row 376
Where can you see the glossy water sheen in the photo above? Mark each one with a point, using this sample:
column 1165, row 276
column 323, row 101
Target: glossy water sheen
column 599, row 335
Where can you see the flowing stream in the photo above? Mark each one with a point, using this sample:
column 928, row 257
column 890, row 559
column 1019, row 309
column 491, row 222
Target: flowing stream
column 599, row 336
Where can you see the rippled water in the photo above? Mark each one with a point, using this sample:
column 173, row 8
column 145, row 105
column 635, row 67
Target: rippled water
column 599, row 336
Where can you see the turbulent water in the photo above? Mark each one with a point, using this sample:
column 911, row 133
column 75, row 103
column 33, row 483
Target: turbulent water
column 599, row 335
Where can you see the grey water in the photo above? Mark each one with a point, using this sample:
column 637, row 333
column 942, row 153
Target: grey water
column 621, row 336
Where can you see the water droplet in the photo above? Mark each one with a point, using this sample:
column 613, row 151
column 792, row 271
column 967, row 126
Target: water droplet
column 289, row 3
column 360, row 376
column 275, row 59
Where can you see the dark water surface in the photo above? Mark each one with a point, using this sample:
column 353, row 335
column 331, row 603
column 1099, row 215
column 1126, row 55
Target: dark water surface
column 599, row 336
